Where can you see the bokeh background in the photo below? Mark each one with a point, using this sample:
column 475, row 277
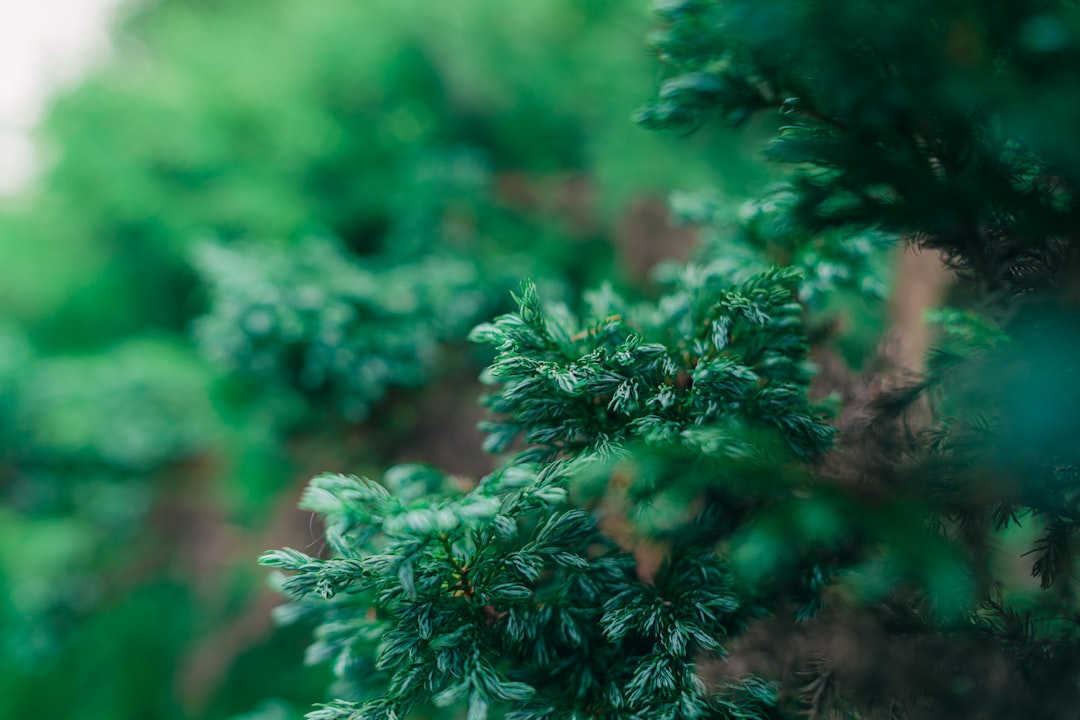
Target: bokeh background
column 241, row 243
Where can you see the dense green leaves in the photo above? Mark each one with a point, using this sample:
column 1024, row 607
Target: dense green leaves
column 501, row 597
column 941, row 123
column 507, row 595
column 672, row 495
column 332, row 193
column 704, row 355
column 309, row 317
column 746, row 239
column 333, row 197
column 932, row 120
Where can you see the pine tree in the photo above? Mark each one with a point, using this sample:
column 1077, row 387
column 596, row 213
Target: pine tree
column 678, row 530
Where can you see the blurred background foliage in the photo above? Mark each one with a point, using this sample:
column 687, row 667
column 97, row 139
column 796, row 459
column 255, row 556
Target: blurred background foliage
column 262, row 232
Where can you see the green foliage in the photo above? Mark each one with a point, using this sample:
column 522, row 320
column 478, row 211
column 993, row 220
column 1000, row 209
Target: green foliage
column 410, row 161
column 747, row 239
column 705, row 359
column 329, row 200
column 341, row 328
column 674, row 496
column 134, row 408
column 372, row 107
column 938, row 121
column 86, row 441
column 503, row 597
column 508, row 596
column 309, row 317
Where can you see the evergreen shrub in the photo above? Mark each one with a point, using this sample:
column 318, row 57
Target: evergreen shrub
column 678, row 530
